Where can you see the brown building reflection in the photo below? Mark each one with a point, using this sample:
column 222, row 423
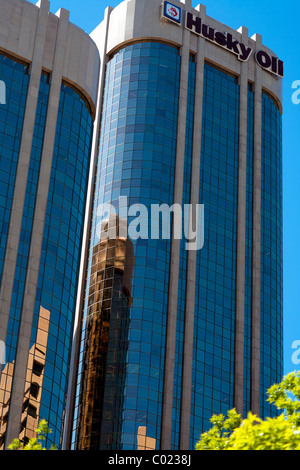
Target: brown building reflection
column 33, row 386
column 106, row 341
column 145, row 442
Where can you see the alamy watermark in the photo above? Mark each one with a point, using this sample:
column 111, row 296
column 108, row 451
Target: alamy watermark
column 296, row 94
column 2, row 92
column 2, row 353
column 157, row 222
column 296, row 354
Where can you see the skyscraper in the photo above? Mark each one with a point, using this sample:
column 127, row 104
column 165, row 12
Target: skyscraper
column 49, row 75
column 117, row 331
column 189, row 112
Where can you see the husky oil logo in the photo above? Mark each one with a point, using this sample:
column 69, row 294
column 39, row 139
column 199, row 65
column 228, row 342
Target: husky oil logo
column 172, row 12
column 223, row 39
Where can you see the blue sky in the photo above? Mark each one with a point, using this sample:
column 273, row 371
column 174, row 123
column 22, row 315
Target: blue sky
column 278, row 23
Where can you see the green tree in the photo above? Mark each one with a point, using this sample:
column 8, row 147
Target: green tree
column 253, row 433
column 34, row 443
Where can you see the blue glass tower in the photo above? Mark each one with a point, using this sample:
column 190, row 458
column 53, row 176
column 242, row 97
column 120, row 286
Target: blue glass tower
column 60, row 257
column 184, row 120
column 137, row 160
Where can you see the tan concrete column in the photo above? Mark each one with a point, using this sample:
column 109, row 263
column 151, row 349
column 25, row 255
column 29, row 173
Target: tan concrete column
column 175, row 251
column 256, row 250
column 192, row 255
column 13, row 426
column 241, row 235
column 12, row 246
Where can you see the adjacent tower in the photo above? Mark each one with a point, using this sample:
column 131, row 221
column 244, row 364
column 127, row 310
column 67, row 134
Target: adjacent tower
column 49, row 75
column 189, row 112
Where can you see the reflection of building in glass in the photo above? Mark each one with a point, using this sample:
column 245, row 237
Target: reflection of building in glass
column 106, row 341
column 143, row 441
column 50, row 70
column 33, row 386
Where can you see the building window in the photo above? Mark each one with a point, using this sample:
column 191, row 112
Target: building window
column 37, row 369
column 34, row 390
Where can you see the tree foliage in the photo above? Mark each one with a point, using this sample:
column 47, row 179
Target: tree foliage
column 34, row 443
column 279, row 433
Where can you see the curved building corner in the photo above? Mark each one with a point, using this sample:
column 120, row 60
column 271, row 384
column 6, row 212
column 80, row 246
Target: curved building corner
column 190, row 114
column 49, row 69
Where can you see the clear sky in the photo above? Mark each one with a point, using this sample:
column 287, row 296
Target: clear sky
column 278, row 23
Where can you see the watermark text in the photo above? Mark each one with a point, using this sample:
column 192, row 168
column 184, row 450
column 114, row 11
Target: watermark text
column 2, row 92
column 160, row 221
column 2, row 353
column 296, row 94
